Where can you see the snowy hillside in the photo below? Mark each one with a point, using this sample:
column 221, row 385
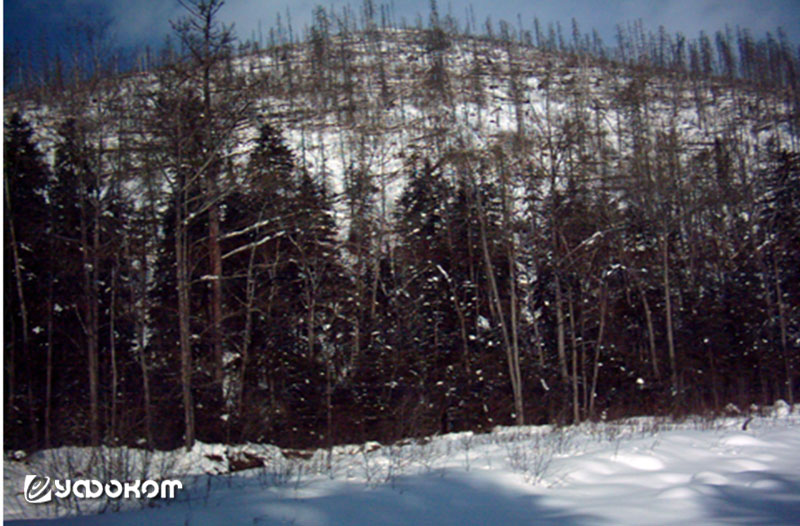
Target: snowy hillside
column 641, row 471
column 376, row 101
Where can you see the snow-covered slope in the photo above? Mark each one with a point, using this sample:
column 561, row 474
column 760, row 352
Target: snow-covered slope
column 640, row 471
column 368, row 102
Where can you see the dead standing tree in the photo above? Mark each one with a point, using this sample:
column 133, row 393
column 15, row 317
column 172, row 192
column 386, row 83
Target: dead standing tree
column 209, row 43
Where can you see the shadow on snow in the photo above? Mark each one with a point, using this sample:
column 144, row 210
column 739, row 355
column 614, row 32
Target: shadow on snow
column 445, row 498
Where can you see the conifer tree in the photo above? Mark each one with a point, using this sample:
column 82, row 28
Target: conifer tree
column 27, row 260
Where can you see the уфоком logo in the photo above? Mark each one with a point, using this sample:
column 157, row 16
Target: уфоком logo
column 37, row 489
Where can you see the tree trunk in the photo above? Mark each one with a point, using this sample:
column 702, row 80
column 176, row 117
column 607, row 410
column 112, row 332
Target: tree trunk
column 48, row 397
column 329, row 412
column 182, row 275
column 89, row 264
column 668, row 309
column 713, row 370
column 113, row 349
column 576, row 414
column 784, row 339
column 597, row 347
column 562, row 353
column 513, row 362
column 216, row 287
column 651, row 337
column 22, row 307
column 250, row 292
column 94, row 343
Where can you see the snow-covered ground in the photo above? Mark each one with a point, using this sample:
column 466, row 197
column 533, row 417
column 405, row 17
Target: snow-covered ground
column 639, row 471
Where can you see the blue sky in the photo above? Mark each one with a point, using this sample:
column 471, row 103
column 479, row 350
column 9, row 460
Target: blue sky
column 139, row 22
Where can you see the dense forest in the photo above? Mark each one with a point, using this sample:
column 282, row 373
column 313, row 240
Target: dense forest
column 369, row 230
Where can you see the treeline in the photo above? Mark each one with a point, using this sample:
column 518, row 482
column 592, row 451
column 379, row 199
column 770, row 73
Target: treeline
column 90, row 53
column 175, row 272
